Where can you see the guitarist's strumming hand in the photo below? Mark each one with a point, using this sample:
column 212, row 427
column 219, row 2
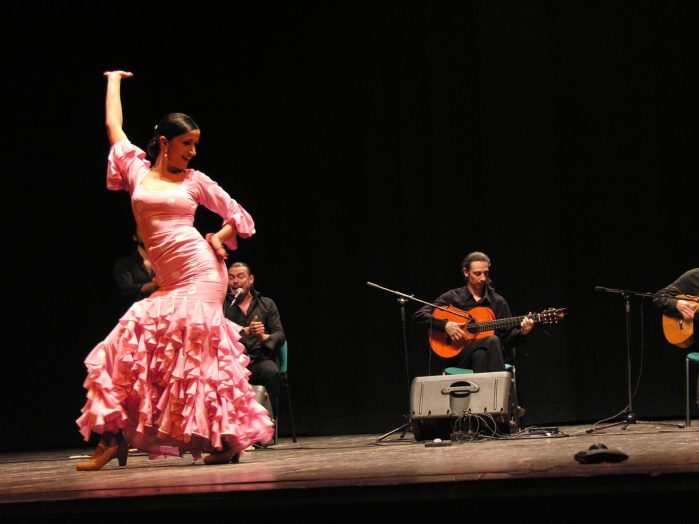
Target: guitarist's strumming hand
column 455, row 332
column 686, row 309
column 527, row 325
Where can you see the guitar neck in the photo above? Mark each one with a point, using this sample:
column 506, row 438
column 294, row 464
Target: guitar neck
column 501, row 323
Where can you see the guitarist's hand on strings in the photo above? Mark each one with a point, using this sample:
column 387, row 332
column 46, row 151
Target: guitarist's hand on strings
column 527, row 325
column 455, row 332
column 686, row 309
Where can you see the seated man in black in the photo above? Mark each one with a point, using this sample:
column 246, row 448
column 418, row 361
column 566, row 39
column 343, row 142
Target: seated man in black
column 262, row 333
column 485, row 354
column 134, row 275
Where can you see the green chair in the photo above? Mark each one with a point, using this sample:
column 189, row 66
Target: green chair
column 509, row 365
column 283, row 363
column 691, row 358
column 467, row 371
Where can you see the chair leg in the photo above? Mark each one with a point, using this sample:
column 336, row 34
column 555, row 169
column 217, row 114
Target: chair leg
column 291, row 413
column 688, row 420
column 515, row 398
column 276, row 420
column 285, row 385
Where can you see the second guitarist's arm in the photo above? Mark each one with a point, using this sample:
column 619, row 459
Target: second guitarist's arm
column 665, row 299
column 687, row 284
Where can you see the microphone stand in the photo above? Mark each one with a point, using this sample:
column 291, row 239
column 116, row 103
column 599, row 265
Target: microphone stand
column 403, row 298
column 630, row 416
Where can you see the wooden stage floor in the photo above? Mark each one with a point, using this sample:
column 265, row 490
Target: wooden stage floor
column 342, row 478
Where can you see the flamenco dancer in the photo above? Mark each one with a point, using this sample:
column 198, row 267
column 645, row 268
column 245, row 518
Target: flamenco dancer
column 171, row 377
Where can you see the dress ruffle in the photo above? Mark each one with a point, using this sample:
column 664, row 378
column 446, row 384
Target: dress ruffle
column 172, row 376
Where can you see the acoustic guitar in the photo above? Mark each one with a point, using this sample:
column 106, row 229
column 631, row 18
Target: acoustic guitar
column 677, row 330
column 480, row 322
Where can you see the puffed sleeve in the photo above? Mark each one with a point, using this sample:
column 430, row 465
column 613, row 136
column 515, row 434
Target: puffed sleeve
column 124, row 164
column 214, row 197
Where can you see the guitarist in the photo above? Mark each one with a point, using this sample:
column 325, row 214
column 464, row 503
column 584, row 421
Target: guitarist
column 485, row 354
column 686, row 285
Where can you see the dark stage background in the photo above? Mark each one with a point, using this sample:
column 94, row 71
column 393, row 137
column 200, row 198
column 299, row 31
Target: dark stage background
column 372, row 144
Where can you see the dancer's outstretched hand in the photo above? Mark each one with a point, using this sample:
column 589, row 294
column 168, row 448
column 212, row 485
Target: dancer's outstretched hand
column 118, row 74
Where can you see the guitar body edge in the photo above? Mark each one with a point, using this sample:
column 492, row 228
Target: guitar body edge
column 678, row 332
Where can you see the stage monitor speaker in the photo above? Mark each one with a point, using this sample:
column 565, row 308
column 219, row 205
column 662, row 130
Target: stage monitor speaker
column 262, row 398
column 438, row 402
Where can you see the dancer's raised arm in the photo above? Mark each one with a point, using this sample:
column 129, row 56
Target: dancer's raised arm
column 113, row 112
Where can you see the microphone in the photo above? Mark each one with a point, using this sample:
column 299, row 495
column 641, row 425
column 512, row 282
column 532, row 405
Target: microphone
column 236, row 294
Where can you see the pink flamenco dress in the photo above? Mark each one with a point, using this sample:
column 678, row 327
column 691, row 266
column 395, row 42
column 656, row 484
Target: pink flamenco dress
column 172, row 375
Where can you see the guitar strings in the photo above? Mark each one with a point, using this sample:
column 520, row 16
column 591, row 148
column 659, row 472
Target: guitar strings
column 488, row 325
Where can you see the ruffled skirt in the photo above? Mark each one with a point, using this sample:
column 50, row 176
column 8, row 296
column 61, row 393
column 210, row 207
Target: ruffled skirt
column 172, row 376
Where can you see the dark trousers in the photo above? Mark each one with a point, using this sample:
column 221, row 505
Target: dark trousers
column 266, row 373
column 482, row 356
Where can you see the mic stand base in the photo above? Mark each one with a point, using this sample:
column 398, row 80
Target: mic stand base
column 403, row 429
column 629, row 419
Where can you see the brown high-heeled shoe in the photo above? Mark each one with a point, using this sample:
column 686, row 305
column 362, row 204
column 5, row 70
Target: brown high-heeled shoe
column 101, row 446
column 108, row 448
column 224, row 456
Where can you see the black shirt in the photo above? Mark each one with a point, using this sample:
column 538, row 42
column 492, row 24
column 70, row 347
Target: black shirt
column 130, row 274
column 266, row 311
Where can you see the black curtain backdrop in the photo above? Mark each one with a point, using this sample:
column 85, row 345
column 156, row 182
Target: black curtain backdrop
column 371, row 144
